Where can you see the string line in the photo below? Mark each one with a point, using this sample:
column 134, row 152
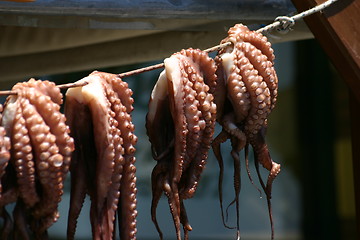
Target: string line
column 281, row 23
column 280, row 20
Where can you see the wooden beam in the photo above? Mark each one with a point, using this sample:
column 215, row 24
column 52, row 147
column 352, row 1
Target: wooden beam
column 108, row 54
column 337, row 29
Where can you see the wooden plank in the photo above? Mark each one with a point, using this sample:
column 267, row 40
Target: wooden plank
column 109, row 13
column 108, row 54
column 338, row 31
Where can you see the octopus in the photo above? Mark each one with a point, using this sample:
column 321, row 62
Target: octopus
column 4, row 150
column 99, row 116
column 4, row 161
column 246, row 93
column 180, row 125
column 34, row 169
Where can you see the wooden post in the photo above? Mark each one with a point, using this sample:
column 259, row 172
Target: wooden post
column 337, row 29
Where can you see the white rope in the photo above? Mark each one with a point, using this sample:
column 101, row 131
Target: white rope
column 281, row 23
column 285, row 23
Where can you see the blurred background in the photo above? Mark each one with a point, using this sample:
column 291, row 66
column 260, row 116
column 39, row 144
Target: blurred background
column 309, row 130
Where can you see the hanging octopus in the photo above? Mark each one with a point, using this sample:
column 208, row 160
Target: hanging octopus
column 41, row 150
column 4, row 160
column 180, row 125
column 246, row 94
column 4, row 150
column 103, row 163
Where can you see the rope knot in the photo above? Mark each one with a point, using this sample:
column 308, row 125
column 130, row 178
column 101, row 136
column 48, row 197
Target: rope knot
column 286, row 24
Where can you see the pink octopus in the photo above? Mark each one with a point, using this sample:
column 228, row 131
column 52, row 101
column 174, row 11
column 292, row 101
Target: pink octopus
column 180, row 125
column 103, row 162
column 41, row 149
column 245, row 95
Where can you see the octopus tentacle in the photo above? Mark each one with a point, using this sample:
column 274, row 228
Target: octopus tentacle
column 9, row 191
column 58, row 127
column 7, row 224
column 238, row 93
column 157, row 179
column 236, row 147
column 122, row 89
column 9, row 196
column 228, row 124
column 114, row 191
column 193, row 116
column 206, row 125
column 262, row 154
column 220, row 92
column 105, row 149
column 23, row 158
column 114, row 188
column 121, row 102
column 47, row 158
column 206, row 64
column 159, row 121
column 78, row 115
column 172, row 194
column 268, row 196
column 261, row 102
column 177, row 104
column 248, row 168
column 216, row 146
column 176, row 84
column 127, row 202
column 43, row 140
column 265, row 69
column 46, row 223
column 4, row 150
column 184, row 220
column 22, row 230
